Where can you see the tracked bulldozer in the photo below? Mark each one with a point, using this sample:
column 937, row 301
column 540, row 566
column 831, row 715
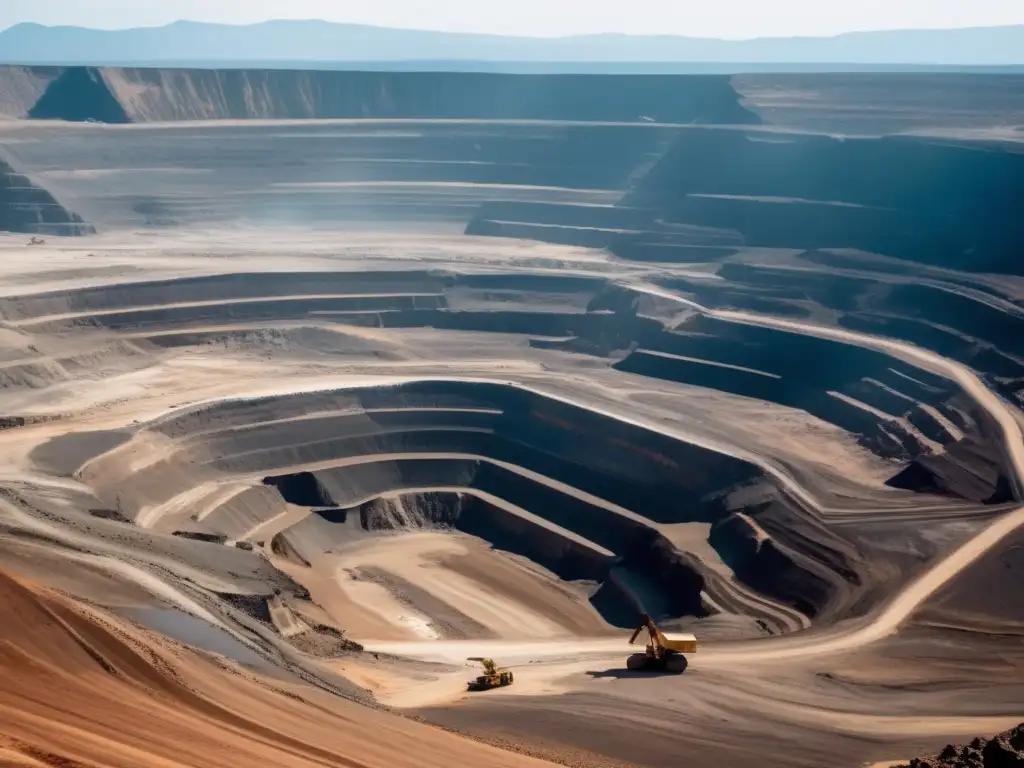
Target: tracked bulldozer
column 493, row 676
column 664, row 652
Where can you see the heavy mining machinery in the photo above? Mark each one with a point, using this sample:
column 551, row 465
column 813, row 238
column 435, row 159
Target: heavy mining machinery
column 493, row 677
column 664, row 652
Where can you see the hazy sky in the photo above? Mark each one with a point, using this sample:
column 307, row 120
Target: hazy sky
column 702, row 18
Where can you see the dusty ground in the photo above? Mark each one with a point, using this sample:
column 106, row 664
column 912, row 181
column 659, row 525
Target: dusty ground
column 117, row 695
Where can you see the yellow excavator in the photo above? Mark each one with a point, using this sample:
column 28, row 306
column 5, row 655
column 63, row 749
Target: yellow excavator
column 664, row 652
column 493, row 676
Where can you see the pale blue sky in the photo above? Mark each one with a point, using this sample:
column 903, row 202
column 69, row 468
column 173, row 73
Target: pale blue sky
column 701, row 18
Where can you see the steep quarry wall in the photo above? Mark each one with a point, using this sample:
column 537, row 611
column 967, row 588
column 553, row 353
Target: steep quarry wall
column 834, row 103
column 880, row 103
column 949, row 203
column 323, row 174
column 625, row 163
column 169, row 95
column 894, row 410
column 979, row 329
column 24, row 207
column 774, row 569
column 22, row 87
column 76, row 95
column 940, row 202
column 587, row 495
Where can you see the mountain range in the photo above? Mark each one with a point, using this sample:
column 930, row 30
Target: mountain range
column 311, row 41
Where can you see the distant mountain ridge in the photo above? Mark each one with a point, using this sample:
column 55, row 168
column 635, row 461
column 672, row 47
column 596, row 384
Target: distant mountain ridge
column 326, row 41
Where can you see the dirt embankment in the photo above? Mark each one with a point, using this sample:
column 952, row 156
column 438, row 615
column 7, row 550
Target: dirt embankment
column 84, row 689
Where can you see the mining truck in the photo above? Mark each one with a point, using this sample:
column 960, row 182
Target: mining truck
column 493, row 677
column 664, row 652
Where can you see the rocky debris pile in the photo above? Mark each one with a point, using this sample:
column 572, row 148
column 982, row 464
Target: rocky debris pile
column 325, row 641
column 1006, row 750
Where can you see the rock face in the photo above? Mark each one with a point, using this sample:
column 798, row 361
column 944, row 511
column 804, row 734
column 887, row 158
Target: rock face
column 947, row 203
column 773, row 569
column 24, row 207
column 21, row 87
column 1006, row 750
column 881, row 195
column 969, row 469
column 76, row 95
column 114, row 95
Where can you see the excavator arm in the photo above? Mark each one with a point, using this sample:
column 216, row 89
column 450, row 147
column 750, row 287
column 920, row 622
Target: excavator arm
column 664, row 652
column 647, row 623
column 489, row 666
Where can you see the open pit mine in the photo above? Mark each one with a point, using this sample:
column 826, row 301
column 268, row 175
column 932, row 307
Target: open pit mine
column 316, row 386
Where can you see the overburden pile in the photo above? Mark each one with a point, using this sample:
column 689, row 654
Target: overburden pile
column 1005, row 750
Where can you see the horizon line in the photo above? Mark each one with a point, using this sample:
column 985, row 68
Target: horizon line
column 571, row 36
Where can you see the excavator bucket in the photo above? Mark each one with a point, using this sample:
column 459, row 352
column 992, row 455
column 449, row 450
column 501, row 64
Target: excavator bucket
column 648, row 624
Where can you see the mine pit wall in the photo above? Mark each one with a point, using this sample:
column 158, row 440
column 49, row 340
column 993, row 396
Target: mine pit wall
column 865, row 104
column 411, row 510
column 172, row 95
column 653, row 478
column 27, row 208
column 941, row 202
column 656, row 479
column 275, row 309
column 644, row 573
column 875, row 104
column 217, row 288
column 663, row 479
column 668, row 191
column 973, row 468
column 586, row 450
column 770, row 364
column 302, row 488
column 21, row 88
column 568, row 559
column 351, row 486
column 332, row 174
column 885, row 411
column 896, row 410
column 76, row 95
column 935, row 201
column 578, row 138
column 787, row 576
column 887, row 439
column 979, row 330
column 242, row 512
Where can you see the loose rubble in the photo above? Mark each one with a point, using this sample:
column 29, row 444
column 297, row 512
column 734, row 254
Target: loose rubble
column 1006, row 750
